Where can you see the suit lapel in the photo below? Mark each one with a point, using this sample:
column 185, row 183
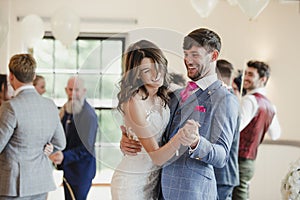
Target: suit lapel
column 188, row 108
column 196, row 99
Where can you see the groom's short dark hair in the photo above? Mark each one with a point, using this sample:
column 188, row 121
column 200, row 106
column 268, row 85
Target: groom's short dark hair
column 202, row 37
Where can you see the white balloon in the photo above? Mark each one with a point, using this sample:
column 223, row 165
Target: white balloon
column 204, row 7
column 65, row 26
column 252, row 8
column 32, row 30
column 3, row 31
column 232, row 2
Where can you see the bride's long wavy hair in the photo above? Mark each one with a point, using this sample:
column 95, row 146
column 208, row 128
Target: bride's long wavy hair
column 130, row 83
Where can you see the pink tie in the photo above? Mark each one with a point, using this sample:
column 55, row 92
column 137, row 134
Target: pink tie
column 191, row 86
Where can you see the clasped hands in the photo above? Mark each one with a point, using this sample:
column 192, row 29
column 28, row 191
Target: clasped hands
column 188, row 135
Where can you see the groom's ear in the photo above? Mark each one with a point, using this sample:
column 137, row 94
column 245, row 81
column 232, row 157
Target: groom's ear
column 215, row 55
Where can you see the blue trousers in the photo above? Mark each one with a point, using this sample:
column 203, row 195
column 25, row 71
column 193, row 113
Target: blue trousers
column 225, row 192
column 80, row 191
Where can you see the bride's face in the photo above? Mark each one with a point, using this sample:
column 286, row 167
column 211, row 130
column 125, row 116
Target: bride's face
column 149, row 75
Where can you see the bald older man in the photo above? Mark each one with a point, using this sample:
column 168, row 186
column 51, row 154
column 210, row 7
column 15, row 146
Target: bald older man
column 80, row 125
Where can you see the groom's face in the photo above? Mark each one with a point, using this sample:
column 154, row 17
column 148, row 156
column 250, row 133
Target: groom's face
column 197, row 61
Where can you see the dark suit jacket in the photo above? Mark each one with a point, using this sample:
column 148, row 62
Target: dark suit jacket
column 79, row 162
column 229, row 174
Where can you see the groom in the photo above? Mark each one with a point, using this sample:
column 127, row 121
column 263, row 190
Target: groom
column 191, row 176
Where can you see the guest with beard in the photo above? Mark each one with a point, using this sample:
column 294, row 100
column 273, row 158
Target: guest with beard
column 78, row 159
column 258, row 117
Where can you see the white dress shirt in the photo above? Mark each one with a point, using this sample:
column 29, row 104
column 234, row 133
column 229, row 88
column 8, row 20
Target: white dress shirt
column 205, row 82
column 24, row 87
column 249, row 108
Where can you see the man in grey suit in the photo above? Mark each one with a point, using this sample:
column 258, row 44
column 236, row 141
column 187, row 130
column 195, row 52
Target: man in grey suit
column 191, row 175
column 27, row 123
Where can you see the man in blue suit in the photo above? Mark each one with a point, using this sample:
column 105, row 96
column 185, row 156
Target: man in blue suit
column 228, row 176
column 78, row 159
column 191, row 175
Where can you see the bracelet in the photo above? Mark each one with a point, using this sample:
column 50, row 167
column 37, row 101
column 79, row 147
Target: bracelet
column 176, row 150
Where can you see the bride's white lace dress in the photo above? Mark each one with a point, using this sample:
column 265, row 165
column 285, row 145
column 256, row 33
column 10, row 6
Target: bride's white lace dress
column 136, row 177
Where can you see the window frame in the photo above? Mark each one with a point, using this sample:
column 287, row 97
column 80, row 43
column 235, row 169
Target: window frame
column 100, row 104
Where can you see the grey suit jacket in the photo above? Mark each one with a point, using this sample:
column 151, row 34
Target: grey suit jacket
column 191, row 176
column 27, row 123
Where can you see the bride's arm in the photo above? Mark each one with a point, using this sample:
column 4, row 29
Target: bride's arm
column 135, row 116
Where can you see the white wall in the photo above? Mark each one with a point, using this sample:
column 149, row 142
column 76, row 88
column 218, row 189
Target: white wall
column 4, row 40
column 271, row 167
column 273, row 37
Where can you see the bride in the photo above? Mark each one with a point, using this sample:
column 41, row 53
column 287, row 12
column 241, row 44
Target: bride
column 143, row 101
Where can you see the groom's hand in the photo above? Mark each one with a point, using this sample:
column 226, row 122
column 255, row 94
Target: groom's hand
column 129, row 146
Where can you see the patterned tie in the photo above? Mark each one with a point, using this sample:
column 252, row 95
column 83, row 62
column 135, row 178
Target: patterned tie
column 191, row 86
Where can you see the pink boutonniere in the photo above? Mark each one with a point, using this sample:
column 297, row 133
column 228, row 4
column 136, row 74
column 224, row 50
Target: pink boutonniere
column 200, row 108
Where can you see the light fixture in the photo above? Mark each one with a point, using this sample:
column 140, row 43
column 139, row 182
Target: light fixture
column 107, row 20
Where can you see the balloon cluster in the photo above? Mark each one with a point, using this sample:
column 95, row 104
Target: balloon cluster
column 252, row 8
column 32, row 27
column 204, row 7
column 65, row 25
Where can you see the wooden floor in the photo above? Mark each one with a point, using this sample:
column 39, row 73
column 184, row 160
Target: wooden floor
column 96, row 193
column 272, row 164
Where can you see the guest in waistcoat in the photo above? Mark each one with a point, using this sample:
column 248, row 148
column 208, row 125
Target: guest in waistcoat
column 258, row 116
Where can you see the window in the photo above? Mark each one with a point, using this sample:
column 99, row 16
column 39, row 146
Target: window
column 97, row 60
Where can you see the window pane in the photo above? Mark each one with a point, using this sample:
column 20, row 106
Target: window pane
column 49, row 84
column 112, row 56
column 89, row 54
column 91, row 82
column 106, row 163
column 60, row 82
column 109, row 126
column 43, row 52
column 97, row 60
column 109, row 86
column 65, row 58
